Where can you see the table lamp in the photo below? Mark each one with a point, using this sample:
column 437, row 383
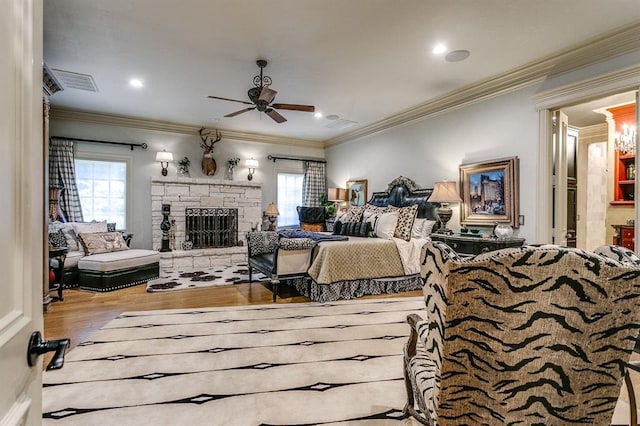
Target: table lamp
column 272, row 213
column 444, row 192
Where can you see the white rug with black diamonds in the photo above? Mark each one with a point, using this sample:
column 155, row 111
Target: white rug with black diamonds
column 276, row 364
column 183, row 278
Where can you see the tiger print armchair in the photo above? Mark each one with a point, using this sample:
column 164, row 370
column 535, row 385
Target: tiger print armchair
column 530, row 335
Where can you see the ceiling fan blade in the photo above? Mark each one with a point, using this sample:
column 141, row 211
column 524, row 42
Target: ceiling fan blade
column 292, row 107
column 233, row 114
column 275, row 115
column 227, row 99
column 267, row 94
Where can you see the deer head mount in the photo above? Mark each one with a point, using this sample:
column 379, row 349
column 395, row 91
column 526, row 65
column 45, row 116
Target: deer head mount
column 208, row 163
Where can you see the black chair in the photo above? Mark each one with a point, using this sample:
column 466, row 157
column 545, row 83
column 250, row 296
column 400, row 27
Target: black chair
column 312, row 219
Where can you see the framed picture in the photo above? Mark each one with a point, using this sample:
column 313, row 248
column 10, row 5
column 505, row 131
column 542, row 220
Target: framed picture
column 357, row 192
column 490, row 192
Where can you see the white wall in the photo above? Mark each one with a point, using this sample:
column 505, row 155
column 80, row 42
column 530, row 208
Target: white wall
column 432, row 149
column 144, row 165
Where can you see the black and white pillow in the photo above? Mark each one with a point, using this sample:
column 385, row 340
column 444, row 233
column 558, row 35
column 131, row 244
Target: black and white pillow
column 406, row 216
column 57, row 239
column 111, row 226
column 354, row 214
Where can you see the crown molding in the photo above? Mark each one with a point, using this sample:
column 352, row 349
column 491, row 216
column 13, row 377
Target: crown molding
column 67, row 114
column 615, row 43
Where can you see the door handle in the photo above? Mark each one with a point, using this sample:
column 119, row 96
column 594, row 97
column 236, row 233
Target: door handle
column 37, row 347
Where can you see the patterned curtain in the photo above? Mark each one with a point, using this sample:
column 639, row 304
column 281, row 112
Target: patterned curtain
column 62, row 174
column 314, row 183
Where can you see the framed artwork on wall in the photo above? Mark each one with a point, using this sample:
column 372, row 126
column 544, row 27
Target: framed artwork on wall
column 357, row 192
column 490, row 192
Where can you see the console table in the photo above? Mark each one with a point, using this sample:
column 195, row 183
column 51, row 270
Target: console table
column 464, row 244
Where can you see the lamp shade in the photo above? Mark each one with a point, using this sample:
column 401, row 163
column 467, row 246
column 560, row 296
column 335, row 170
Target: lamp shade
column 445, row 192
column 252, row 164
column 164, row 156
column 271, row 210
column 337, row 194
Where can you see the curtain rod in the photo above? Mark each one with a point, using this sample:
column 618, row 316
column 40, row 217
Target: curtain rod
column 274, row 158
column 129, row 144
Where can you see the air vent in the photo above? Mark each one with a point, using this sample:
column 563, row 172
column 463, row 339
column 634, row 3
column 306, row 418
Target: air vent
column 74, row 80
column 340, row 123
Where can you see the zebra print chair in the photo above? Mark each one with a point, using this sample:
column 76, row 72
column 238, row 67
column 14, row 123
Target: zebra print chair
column 530, row 335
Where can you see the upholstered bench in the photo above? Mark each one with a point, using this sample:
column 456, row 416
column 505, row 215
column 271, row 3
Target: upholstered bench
column 118, row 269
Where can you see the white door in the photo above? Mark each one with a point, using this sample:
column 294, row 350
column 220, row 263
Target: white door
column 560, row 130
column 21, row 208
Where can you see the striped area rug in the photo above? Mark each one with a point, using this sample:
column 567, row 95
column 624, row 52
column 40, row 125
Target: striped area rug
column 294, row 364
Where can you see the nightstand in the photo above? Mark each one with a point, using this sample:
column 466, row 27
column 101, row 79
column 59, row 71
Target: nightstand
column 464, row 244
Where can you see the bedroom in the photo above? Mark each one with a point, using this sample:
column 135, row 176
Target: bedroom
column 476, row 131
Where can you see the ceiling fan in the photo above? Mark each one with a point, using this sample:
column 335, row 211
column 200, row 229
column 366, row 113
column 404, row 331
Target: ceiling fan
column 262, row 97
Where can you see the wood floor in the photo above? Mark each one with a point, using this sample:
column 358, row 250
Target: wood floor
column 84, row 312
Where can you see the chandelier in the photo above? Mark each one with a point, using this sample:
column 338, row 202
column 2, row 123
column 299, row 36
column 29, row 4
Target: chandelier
column 626, row 141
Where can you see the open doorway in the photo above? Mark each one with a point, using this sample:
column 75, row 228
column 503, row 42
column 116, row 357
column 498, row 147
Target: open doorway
column 592, row 219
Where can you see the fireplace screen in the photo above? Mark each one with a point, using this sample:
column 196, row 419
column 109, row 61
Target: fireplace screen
column 211, row 227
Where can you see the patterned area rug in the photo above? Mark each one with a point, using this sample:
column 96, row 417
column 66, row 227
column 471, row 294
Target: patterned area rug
column 183, row 279
column 293, row 364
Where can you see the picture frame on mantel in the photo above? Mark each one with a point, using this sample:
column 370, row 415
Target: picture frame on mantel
column 490, row 192
column 357, row 192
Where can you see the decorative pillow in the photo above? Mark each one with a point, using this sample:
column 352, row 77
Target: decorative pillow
column 386, row 225
column 422, row 228
column 89, row 227
column 296, row 243
column 337, row 227
column 111, row 226
column 406, row 216
column 354, row 214
column 101, row 242
column 372, row 220
column 260, row 242
column 57, row 239
column 70, row 237
column 355, row 229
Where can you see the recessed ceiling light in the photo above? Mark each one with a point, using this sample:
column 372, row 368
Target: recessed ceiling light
column 457, row 55
column 134, row 82
column 439, row 49
column 318, row 114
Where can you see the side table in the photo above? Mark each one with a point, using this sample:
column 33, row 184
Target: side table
column 468, row 245
column 59, row 254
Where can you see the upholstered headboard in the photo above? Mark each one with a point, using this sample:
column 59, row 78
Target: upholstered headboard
column 403, row 192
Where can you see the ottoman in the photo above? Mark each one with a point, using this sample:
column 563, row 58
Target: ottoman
column 118, row 269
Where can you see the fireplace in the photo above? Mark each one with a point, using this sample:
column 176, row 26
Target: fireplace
column 211, row 227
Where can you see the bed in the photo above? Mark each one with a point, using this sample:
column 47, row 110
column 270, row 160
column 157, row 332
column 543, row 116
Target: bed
column 362, row 265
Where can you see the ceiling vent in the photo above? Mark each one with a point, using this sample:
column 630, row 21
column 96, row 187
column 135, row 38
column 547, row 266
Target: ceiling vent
column 74, row 80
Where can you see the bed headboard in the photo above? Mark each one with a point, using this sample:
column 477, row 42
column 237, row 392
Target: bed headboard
column 402, row 192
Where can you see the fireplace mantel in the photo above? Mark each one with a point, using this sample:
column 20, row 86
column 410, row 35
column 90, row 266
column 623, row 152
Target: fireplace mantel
column 184, row 192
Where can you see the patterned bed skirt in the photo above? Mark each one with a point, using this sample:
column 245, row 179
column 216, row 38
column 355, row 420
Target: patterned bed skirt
column 355, row 288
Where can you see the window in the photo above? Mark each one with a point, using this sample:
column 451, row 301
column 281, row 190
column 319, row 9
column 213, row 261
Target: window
column 289, row 197
column 102, row 186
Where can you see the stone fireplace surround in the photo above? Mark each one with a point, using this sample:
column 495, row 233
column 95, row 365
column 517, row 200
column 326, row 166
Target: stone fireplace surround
column 182, row 192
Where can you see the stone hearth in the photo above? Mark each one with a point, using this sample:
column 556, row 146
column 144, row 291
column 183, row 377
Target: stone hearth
column 181, row 193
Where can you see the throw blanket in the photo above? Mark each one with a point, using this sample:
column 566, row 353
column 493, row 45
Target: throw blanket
column 358, row 258
column 410, row 253
column 315, row 236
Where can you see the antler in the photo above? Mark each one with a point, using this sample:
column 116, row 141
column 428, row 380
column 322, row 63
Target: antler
column 206, row 138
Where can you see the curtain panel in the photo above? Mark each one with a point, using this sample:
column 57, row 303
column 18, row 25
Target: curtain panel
column 62, row 174
column 314, row 183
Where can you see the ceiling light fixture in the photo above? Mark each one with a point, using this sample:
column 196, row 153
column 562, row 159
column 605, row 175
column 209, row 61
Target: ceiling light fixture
column 439, row 49
column 134, row 82
column 318, row 114
column 457, row 55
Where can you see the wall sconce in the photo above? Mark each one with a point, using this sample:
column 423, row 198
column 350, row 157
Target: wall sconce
column 164, row 157
column 272, row 213
column 444, row 193
column 252, row 165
